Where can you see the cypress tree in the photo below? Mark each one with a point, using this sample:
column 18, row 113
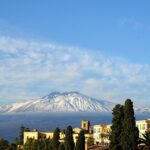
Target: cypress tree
column 16, row 141
column 28, row 144
column 22, row 128
column 40, row 146
column 50, row 145
column 90, row 141
column 80, row 145
column 130, row 135
column 61, row 146
column 44, row 144
column 116, row 128
column 21, row 134
column 69, row 143
column 34, row 144
column 56, row 138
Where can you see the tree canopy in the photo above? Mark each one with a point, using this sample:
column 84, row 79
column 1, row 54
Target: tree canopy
column 116, row 128
column 80, row 145
column 124, row 134
column 69, row 142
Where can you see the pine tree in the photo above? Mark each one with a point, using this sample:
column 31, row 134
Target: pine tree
column 130, row 133
column 56, row 138
column 69, row 143
column 118, row 116
column 80, row 145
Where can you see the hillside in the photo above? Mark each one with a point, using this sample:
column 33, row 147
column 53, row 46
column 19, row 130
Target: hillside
column 60, row 102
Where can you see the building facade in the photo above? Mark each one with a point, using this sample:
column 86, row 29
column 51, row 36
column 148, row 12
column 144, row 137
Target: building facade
column 143, row 125
column 37, row 135
column 101, row 134
column 85, row 125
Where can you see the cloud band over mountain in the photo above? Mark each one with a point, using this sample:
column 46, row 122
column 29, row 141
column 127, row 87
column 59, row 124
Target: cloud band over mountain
column 30, row 69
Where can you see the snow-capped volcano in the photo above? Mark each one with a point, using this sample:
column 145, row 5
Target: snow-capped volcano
column 60, row 102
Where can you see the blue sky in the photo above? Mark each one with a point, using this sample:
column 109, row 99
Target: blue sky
column 99, row 48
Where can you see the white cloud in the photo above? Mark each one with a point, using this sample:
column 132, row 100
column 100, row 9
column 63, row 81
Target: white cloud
column 30, row 69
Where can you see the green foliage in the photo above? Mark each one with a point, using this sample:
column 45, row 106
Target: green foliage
column 125, row 134
column 90, row 141
column 69, row 142
column 13, row 147
column 61, row 146
column 80, row 145
column 130, row 134
column 4, row 145
column 145, row 141
column 117, row 123
column 41, row 144
column 56, row 138
column 22, row 130
column 16, row 141
column 28, row 145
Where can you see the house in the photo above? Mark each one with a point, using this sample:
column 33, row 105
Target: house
column 85, row 125
column 143, row 125
column 101, row 134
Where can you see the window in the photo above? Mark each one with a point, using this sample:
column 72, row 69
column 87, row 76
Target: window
column 148, row 125
column 98, row 130
column 84, row 125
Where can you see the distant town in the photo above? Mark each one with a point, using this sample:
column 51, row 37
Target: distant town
column 125, row 133
column 96, row 136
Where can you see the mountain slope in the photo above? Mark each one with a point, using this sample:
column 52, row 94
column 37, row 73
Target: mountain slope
column 60, row 102
column 142, row 110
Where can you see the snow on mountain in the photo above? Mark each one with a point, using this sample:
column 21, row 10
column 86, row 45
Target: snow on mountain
column 60, row 102
column 142, row 110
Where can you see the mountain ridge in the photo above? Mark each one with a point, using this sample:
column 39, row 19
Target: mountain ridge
column 60, row 102
column 63, row 102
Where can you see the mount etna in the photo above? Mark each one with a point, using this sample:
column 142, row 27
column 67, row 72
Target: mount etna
column 62, row 102
column 59, row 102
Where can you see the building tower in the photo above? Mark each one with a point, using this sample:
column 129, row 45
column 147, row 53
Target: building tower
column 85, row 125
